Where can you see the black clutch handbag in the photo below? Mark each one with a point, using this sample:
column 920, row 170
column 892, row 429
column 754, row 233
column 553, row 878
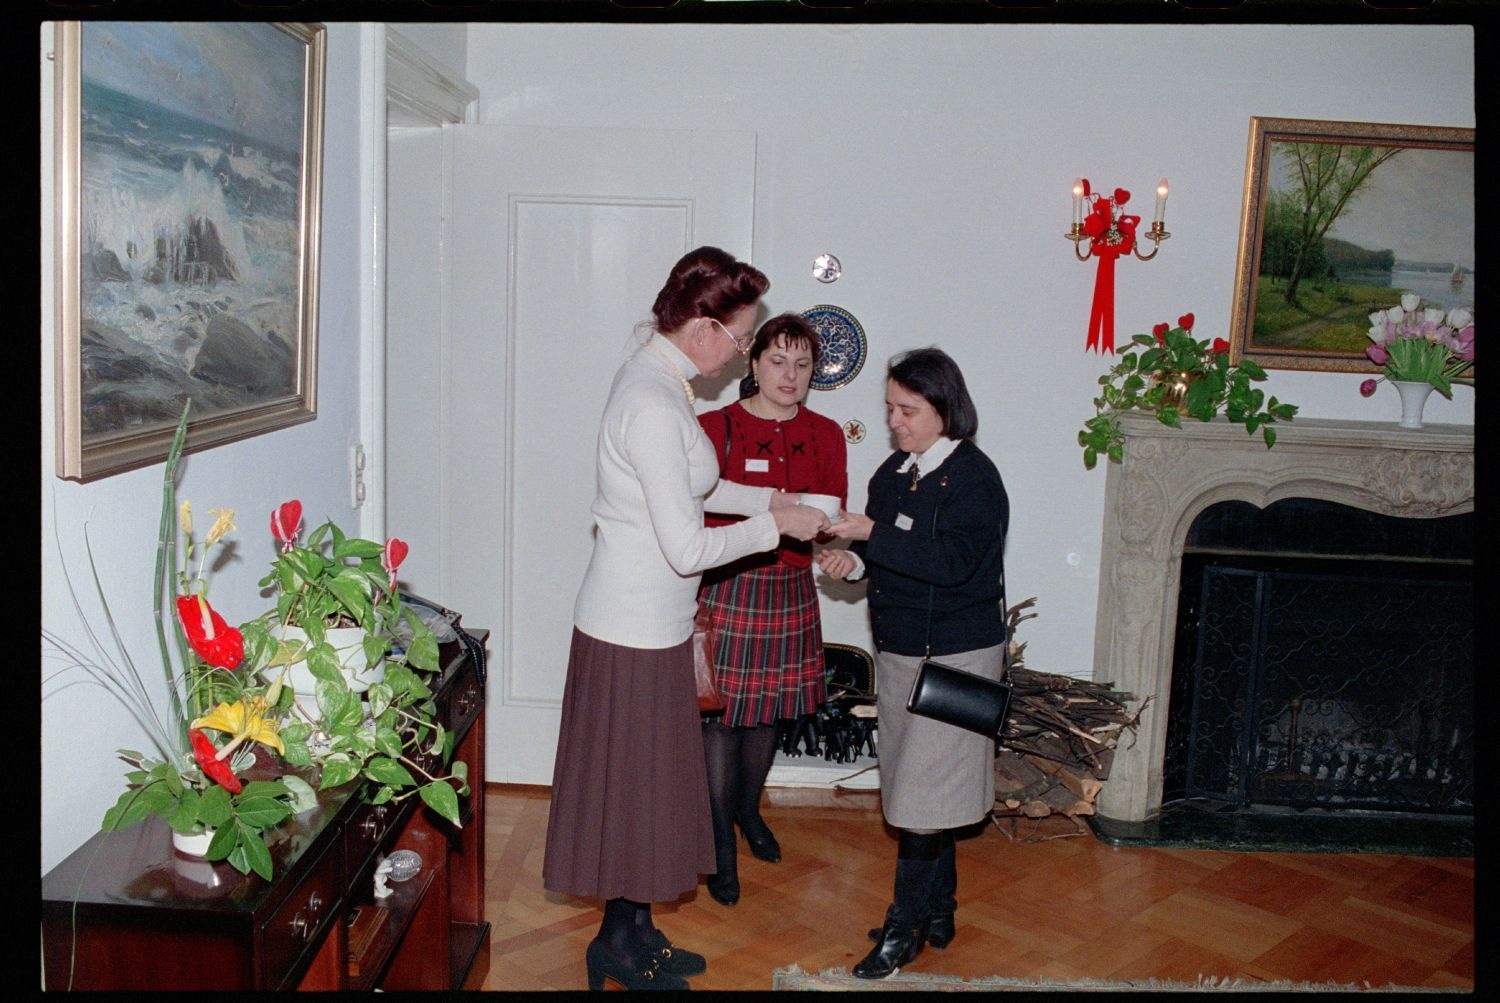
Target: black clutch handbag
column 959, row 698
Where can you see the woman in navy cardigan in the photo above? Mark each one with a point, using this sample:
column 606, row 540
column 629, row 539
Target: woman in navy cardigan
column 931, row 543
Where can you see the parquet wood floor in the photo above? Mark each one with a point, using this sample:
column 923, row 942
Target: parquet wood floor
column 1068, row 907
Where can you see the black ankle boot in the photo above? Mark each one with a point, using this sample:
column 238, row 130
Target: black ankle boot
column 897, row 946
column 725, row 890
column 629, row 973
column 673, row 959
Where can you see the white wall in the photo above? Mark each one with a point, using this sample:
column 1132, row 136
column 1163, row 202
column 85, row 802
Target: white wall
column 936, row 162
column 81, row 725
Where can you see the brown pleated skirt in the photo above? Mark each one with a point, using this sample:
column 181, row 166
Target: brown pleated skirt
column 629, row 816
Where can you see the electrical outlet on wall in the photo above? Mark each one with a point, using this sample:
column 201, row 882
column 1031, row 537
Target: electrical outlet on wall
column 357, row 475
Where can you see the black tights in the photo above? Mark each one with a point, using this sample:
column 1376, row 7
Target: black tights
column 627, row 927
column 738, row 761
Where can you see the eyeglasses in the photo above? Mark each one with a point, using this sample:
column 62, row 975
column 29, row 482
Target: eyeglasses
column 741, row 345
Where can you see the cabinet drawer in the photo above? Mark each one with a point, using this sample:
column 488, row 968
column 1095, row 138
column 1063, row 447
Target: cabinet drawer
column 298, row 925
column 364, row 832
column 465, row 699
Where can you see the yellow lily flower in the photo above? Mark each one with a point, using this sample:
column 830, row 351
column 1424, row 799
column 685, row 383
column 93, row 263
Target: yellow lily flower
column 243, row 719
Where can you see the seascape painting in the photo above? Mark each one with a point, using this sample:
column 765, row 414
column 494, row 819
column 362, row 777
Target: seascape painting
column 195, row 233
column 1343, row 219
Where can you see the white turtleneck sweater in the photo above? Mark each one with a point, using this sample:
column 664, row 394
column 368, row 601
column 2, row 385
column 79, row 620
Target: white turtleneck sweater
column 654, row 467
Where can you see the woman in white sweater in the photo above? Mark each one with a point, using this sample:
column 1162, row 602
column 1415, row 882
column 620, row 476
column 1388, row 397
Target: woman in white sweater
column 629, row 820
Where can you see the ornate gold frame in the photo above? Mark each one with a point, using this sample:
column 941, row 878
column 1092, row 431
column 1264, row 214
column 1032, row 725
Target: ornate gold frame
column 83, row 456
column 1263, row 133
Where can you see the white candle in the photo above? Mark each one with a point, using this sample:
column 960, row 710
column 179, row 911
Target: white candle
column 1077, row 200
column 1161, row 200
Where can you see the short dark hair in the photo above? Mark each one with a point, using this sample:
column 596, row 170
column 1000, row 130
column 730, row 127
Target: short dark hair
column 930, row 373
column 795, row 329
column 707, row 282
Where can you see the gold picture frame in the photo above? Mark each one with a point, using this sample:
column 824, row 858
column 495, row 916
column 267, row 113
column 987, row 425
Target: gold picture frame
column 188, row 166
column 1332, row 211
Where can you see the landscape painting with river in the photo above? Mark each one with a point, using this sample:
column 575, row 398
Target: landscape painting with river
column 192, row 223
column 1344, row 230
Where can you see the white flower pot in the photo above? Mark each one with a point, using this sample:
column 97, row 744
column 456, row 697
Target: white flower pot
column 1413, row 399
column 348, row 648
column 193, row 844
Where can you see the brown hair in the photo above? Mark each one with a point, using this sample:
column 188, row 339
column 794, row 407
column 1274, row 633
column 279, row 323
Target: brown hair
column 707, row 282
column 792, row 327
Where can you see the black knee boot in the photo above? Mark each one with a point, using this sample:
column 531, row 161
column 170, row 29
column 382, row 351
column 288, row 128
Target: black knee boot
column 757, row 753
column 721, row 752
column 906, row 919
column 943, row 903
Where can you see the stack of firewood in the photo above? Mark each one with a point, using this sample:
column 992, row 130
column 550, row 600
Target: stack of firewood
column 1058, row 742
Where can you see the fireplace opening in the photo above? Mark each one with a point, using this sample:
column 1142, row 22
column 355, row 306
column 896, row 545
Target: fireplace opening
column 1323, row 668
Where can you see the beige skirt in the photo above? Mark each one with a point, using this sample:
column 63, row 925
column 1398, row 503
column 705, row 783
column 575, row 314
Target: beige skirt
column 932, row 775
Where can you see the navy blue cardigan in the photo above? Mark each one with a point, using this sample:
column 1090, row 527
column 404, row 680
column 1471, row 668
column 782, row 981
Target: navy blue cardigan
column 952, row 553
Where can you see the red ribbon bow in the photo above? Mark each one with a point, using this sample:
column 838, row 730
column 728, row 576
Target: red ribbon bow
column 1109, row 237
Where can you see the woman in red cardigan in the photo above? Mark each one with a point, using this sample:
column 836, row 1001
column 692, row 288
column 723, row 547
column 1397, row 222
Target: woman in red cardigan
column 765, row 607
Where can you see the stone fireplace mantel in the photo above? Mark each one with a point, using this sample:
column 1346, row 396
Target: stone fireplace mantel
column 1169, row 476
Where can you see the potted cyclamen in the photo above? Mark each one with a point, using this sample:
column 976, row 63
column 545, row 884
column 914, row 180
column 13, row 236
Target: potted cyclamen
column 1172, row 375
column 346, row 664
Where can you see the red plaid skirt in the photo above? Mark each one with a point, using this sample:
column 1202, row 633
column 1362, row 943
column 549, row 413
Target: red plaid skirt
column 770, row 642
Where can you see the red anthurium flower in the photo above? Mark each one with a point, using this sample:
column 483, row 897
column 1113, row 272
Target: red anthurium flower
column 217, row 643
column 214, row 768
column 1086, row 192
column 286, row 523
column 1121, row 196
column 395, row 552
column 1185, row 322
column 1220, row 346
column 1160, row 330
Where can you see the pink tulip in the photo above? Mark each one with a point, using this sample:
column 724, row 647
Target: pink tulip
column 1377, row 355
column 1367, row 388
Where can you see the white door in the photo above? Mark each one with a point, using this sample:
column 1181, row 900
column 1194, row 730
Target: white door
column 558, row 241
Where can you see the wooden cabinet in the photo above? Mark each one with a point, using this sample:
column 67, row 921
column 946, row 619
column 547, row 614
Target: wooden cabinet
column 125, row 911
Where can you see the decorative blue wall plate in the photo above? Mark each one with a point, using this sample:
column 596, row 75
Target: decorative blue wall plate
column 843, row 345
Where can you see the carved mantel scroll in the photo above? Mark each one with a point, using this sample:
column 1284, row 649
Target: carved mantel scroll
column 1171, row 475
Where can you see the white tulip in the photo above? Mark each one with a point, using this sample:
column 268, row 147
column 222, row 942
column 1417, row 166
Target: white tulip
column 1410, row 301
column 1395, row 314
column 1459, row 317
column 1377, row 333
column 1378, row 317
column 1433, row 315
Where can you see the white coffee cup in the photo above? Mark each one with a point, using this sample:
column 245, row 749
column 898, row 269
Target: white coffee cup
column 827, row 504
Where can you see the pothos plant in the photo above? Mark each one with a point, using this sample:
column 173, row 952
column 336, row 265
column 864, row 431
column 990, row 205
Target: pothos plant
column 387, row 732
column 1173, row 376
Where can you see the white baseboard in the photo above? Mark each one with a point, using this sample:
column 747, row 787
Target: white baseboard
column 812, row 771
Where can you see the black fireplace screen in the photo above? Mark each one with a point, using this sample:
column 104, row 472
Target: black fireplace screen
column 1331, row 680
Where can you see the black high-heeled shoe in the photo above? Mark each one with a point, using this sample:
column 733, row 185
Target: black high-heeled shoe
column 898, row 945
column 724, row 889
column 673, row 959
column 762, row 841
column 632, row 974
column 938, row 932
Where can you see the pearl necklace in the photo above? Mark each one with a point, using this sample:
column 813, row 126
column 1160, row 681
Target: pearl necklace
column 687, row 387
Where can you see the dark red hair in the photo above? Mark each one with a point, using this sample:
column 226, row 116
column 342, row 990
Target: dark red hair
column 707, row 282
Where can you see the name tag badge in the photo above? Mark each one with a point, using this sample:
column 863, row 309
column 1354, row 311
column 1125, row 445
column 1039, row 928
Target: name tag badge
column 757, row 466
column 903, row 521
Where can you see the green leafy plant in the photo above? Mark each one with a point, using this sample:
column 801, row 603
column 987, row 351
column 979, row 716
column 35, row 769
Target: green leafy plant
column 1170, row 374
column 381, row 726
column 189, row 781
